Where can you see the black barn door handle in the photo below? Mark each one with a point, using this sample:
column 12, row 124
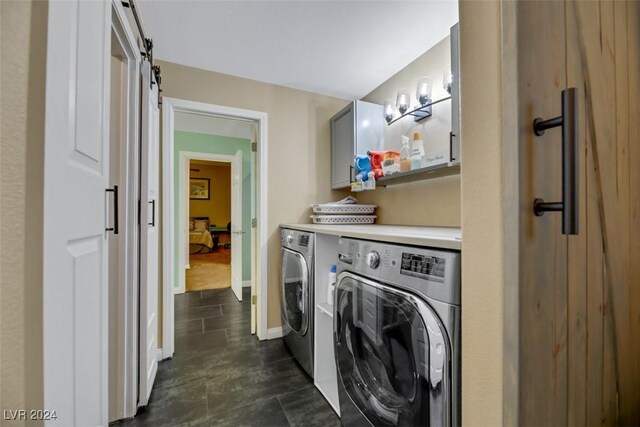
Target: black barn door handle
column 153, row 213
column 115, row 228
column 570, row 143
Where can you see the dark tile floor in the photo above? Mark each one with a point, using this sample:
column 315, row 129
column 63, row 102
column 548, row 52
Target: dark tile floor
column 221, row 375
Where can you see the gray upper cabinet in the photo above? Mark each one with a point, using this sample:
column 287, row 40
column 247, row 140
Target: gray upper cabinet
column 356, row 129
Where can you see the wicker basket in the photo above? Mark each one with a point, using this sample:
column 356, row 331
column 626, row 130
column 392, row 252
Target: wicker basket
column 343, row 219
column 343, row 209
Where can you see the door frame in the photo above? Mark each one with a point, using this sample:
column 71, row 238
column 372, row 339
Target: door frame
column 511, row 208
column 126, row 324
column 170, row 106
column 183, row 204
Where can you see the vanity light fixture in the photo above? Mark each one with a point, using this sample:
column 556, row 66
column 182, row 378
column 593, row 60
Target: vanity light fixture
column 425, row 102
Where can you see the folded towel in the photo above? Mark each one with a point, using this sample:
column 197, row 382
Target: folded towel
column 349, row 200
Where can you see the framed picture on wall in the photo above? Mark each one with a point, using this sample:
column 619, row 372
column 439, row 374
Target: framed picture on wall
column 199, row 189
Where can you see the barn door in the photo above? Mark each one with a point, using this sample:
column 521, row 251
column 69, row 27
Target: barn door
column 579, row 293
column 77, row 210
column 150, row 161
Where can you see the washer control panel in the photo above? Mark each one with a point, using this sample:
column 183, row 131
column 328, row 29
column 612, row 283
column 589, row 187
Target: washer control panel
column 433, row 272
column 423, row 266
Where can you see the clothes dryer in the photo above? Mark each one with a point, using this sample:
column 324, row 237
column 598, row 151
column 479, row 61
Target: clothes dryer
column 296, row 295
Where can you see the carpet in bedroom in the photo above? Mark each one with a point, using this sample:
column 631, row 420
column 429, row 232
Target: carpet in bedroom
column 209, row 271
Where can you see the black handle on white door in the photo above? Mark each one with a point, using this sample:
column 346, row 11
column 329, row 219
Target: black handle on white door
column 115, row 228
column 153, row 213
column 570, row 143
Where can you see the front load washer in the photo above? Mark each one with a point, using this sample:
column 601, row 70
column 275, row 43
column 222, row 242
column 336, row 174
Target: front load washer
column 397, row 335
column 296, row 295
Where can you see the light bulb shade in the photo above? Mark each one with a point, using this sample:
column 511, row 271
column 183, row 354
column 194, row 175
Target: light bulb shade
column 389, row 110
column 447, row 78
column 423, row 92
column 402, row 101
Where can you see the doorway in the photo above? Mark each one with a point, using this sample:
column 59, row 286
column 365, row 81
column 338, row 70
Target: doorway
column 211, row 216
column 243, row 228
column 209, row 226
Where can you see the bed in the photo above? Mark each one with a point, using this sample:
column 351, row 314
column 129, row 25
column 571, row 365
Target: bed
column 200, row 239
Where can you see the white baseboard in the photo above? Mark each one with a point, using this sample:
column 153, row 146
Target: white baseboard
column 273, row 333
column 177, row 291
column 160, row 355
column 246, row 283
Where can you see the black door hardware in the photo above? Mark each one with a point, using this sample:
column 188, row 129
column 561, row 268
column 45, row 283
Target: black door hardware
column 153, row 212
column 115, row 228
column 569, row 123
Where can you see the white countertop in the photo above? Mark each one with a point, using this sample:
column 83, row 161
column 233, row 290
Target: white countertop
column 435, row 237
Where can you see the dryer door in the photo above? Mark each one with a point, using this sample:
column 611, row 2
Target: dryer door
column 294, row 288
column 392, row 354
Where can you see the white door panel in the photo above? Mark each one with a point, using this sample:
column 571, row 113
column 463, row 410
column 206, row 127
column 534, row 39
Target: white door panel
column 75, row 205
column 236, row 225
column 148, row 347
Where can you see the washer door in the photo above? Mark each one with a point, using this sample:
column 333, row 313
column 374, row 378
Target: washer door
column 294, row 284
column 392, row 354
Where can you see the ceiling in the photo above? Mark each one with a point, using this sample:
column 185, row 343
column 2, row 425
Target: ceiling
column 340, row 48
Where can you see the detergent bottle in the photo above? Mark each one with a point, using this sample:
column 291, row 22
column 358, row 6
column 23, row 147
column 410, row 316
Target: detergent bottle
column 405, row 155
column 417, row 153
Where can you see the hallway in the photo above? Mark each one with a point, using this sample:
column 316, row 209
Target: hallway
column 221, row 375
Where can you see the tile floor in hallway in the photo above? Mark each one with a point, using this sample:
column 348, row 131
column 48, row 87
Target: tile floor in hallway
column 221, row 375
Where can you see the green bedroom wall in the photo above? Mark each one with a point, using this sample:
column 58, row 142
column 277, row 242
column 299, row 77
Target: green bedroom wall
column 213, row 144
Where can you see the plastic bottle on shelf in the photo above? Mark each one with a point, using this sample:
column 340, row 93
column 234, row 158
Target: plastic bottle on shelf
column 331, row 286
column 405, row 155
column 417, row 152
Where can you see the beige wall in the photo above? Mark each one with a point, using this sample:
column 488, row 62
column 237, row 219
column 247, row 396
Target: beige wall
column 430, row 202
column 23, row 31
column 298, row 146
column 482, row 213
column 218, row 207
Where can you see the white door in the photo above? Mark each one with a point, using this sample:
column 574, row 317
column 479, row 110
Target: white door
column 75, row 212
column 236, row 225
column 148, row 348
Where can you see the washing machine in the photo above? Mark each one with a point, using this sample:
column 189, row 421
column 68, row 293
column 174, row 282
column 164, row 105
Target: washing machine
column 397, row 335
column 296, row 295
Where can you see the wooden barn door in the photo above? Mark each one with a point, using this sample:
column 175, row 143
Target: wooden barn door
column 579, row 333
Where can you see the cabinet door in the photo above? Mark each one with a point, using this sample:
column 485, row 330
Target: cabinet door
column 342, row 147
column 455, row 96
column 369, row 125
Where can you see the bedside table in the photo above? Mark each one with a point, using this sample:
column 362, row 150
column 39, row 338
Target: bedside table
column 215, row 234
